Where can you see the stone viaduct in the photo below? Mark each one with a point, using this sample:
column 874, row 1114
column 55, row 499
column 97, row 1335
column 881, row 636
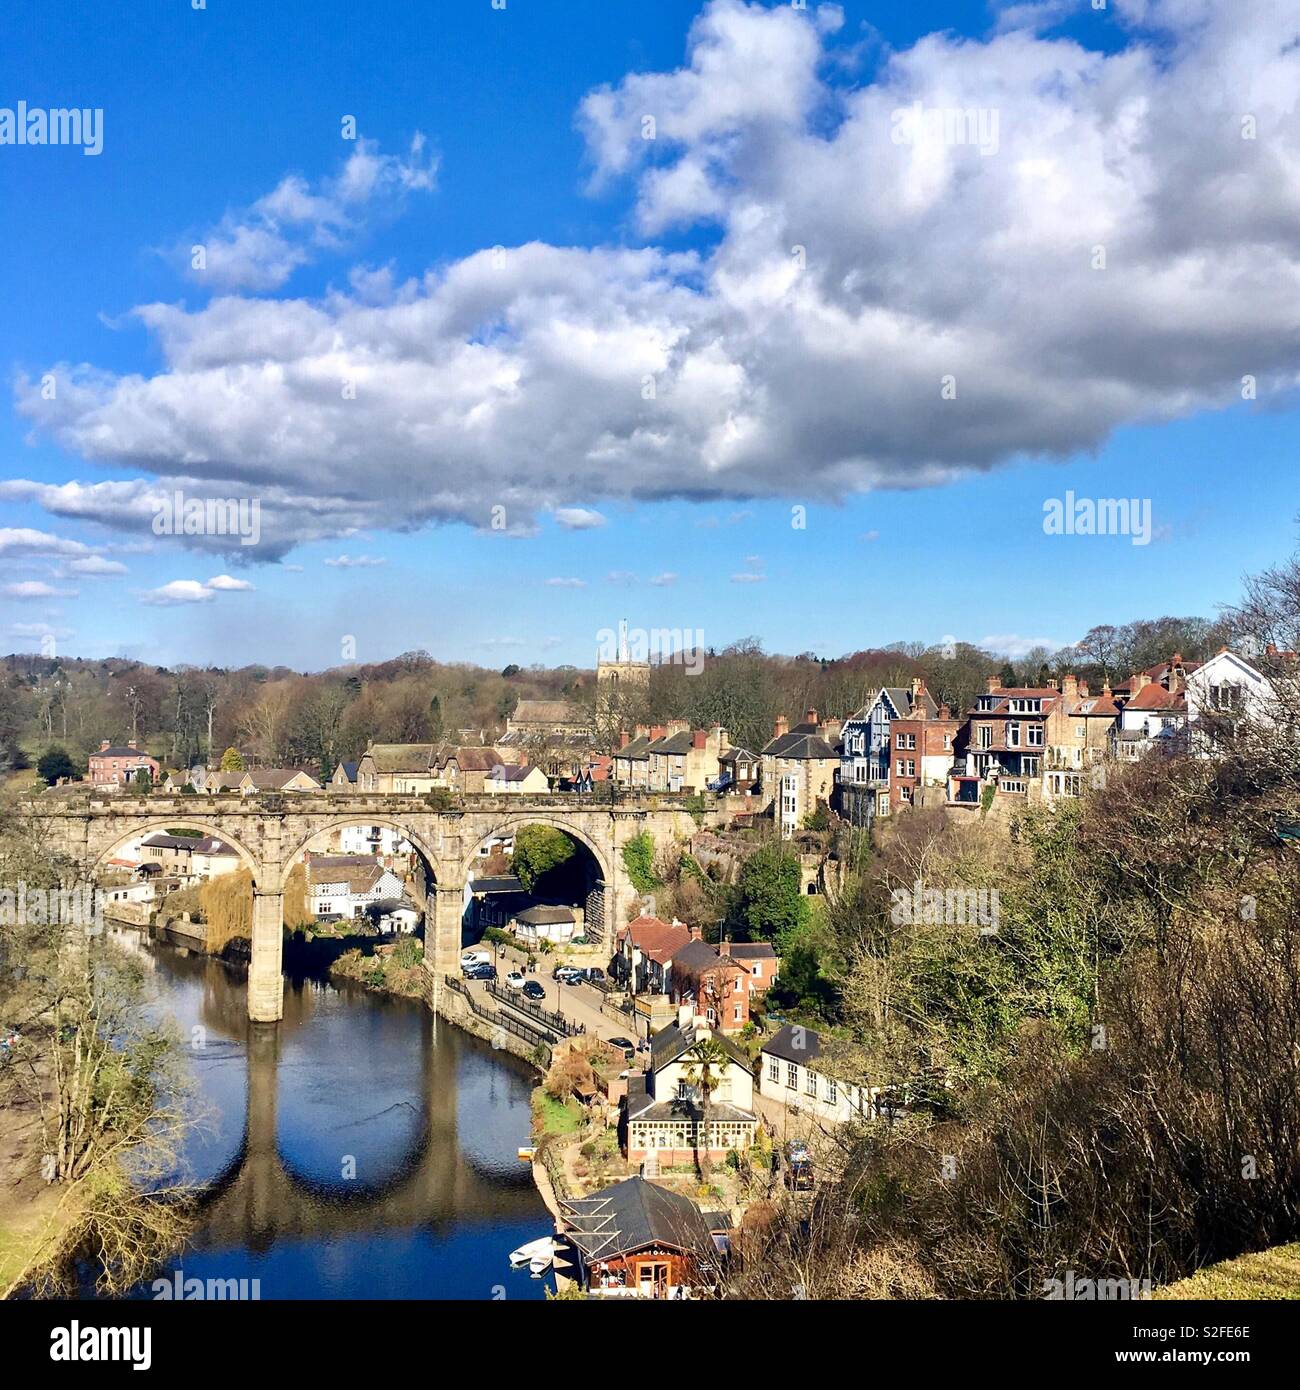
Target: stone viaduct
column 270, row 833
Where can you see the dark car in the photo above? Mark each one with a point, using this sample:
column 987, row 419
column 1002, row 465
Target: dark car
column 593, row 973
column 628, row 1046
column 532, row 990
column 481, row 972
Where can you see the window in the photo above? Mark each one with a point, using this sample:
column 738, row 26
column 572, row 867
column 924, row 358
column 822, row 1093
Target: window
column 882, row 804
column 791, row 1075
column 1035, row 735
column 810, row 1084
column 901, row 766
column 947, row 742
column 773, row 1070
column 832, row 1090
column 1030, row 766
column 906, row 793
column 911, row 767
column 1013, row 735
column 986, row 735
column 1225, row 698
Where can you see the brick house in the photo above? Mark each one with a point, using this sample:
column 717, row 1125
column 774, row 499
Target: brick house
column 867, row 758
column 1008, row 735
column 644, row 952
column 685, row 759
column 114, row 765
column 922, row 748
column 715, row 984
column 759, row 961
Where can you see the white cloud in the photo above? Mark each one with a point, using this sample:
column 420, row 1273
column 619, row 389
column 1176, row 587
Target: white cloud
column 578, row 518
column 355, row 562
column 39, row 630
column 562, row 583
column 177, row 592
column 223, row 582
column 517, row 380
column 95, row 567
column 748, row 578
column 1013, row 645
column 35, row 588
column 664, row 580
column 259, row 247
column 23, row 541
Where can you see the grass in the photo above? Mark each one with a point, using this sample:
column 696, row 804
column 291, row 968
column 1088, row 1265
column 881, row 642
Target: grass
column 551, row 1116
column 1271, row 1274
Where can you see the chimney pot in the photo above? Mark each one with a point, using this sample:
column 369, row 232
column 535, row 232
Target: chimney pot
column 104, row 743
column 782, row 726
column 994, row 684
column 624, row 738
column 811, row 717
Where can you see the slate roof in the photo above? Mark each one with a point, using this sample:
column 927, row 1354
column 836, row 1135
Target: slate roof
column 803, row 742
column 752, row 950
column 512, row 772
column 116, row 752
column 545, row 712
column 698, row 956
column 349, row 771
column 670, row 1043
column 401, row 757
column 783, row 1044
column 632, row 1215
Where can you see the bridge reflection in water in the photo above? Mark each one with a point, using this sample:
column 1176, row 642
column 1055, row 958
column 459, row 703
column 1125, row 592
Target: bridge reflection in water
column 348, row 1152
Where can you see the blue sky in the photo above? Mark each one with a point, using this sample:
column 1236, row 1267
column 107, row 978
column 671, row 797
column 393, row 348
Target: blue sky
column 516, row 378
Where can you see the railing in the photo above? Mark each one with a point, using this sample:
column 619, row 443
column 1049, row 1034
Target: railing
column 533, row 1036
column 556, row 1022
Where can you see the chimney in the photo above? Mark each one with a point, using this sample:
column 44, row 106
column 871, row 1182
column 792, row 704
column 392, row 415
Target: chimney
column 724, row 739
column 699, row 739
column 810, row 717
column 831, row 730
column 131, row 743
column 696, row 933
column 104, row 744
column 724, row 948
column 1138, row 681
column 1070, row 687
column 994, row 684
column 782, row 726
column 1083, row 689
column 624, row 738
column 685, row 1016
column 1051, row 682
column 945, row 712
column 918, row 685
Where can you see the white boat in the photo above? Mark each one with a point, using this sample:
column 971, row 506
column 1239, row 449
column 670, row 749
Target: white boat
column 537, row 1255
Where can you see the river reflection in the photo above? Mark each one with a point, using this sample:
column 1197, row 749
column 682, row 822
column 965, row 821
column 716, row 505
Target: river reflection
column 349, row 1153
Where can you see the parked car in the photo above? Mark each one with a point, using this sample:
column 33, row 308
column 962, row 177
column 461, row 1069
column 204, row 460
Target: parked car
column 532, row 990
column 628, row 1046
column 481, row 972
column 567, row 974
column 475, row 958
column 593, row 973
column 798, row 1166
column 516, row 980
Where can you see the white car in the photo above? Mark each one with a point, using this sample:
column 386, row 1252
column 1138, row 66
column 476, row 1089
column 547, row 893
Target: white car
column 515, row 980
column 472, row 958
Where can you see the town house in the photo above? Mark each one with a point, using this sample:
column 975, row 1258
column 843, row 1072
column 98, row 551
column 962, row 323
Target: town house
column 923, row 746
column 114, row 765
column 800, row 767
column 716, row 985
column 644, row 951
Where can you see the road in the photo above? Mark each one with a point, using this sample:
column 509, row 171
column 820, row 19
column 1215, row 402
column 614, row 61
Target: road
column 578, row 1003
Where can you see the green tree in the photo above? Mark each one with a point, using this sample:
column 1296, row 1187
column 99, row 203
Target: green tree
column 639, row 859
column 769, row 905
column 706, row 1064
column 232, row 760
column 538, row 850
column 55, row 763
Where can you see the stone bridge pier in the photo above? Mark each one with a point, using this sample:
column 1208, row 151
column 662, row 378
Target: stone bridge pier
column 270, row 834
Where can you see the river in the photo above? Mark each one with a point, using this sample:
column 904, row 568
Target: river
column 350, row 1152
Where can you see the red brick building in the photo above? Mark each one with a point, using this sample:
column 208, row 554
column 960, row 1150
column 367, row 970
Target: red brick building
column 116, row 765
column 921, row 749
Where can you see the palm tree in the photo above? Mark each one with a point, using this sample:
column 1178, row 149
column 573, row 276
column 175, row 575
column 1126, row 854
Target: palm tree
column 706, row 1065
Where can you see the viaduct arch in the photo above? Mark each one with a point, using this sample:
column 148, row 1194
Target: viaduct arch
column 270, row 832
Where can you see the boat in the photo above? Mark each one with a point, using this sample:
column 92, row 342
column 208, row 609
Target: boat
column 537, row 1255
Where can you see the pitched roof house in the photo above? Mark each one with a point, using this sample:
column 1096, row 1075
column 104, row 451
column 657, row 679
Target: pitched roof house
column 645, row 949
column 800, row 766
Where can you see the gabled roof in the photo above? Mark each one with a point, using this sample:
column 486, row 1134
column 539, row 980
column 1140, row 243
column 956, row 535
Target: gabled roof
column 400, row 757
column 803, row 743
column 752, row 950
column 349, row 771
column 658, row 940
column 471, row 759
column 698, row 956
column 635, row 749
column 734, row 754
column 273, row 778
column 545, row 712
column 1156, row 697
column 634, row 1214
column 122, row 752
column 680, row 742
column 1098, row 706
column 794, row 1044
column 514, row 772
column 674, row 1041
column 544, row 916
